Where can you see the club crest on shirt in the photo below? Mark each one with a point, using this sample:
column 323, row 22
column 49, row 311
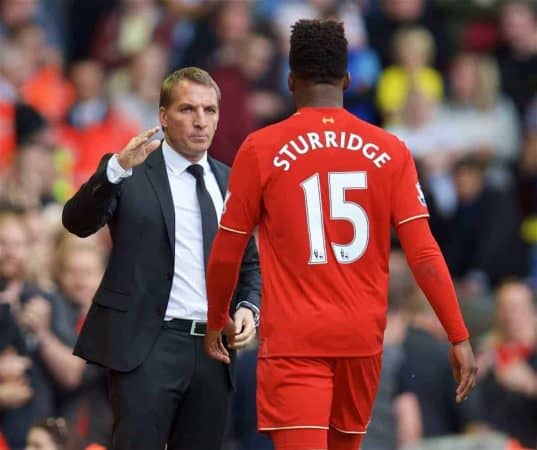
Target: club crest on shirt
column 421, row 196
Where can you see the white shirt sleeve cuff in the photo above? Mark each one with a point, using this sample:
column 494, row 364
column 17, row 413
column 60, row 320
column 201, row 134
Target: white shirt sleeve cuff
column 114, row 172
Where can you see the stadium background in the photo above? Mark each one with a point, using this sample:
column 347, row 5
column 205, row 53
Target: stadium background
column 455, row 79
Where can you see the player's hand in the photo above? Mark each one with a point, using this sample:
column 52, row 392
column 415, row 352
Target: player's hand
column 138, row 149
column 244, row 322
column 214, row 344
column 464, row 369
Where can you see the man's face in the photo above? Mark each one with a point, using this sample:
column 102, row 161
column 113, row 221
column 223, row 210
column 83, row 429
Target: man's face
column 191, row 118
column 81, row 275
column 13, row 249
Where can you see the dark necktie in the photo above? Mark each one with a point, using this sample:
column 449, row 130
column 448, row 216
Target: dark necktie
column 209, row 220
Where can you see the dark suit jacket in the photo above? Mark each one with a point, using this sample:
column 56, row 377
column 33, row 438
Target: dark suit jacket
column 128, row 308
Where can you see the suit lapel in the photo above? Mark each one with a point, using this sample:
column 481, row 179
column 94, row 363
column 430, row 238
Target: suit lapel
column 156, row 172
column 220, row 174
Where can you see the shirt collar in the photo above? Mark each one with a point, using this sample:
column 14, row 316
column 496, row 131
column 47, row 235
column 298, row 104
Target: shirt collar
column 177, row 163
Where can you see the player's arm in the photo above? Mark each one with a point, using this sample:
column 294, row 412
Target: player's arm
column 430, row 270
column 240, row 216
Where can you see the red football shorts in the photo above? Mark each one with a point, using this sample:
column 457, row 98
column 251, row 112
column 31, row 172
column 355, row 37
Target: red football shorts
column 316, row 393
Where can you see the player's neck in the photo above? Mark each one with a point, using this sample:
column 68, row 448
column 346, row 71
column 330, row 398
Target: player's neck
column 319, row 97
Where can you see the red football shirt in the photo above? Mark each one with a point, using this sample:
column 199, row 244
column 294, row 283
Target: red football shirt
column 324, row 189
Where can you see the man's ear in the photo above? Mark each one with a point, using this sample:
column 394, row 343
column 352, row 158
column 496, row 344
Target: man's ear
column 163, row 117
column 291, row 82
column 346, row 81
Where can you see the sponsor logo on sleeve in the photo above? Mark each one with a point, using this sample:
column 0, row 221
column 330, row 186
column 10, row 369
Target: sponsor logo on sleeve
column 421, row 195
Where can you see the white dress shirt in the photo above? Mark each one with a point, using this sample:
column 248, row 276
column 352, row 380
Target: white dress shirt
column 188, row 296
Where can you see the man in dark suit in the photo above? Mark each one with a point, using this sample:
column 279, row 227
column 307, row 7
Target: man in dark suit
column 162, row 203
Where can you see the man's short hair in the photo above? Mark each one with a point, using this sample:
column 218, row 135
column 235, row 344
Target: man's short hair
column 192, row 74
column 319, row 51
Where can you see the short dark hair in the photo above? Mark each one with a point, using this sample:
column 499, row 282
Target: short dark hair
column 192, row 74
column 319, row 50
column 57, row 429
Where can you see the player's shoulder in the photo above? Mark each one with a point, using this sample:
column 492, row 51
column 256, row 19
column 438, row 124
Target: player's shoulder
column 271, row 132
column 379, row 135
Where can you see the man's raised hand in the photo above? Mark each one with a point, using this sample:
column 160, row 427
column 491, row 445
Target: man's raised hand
column 138, row 149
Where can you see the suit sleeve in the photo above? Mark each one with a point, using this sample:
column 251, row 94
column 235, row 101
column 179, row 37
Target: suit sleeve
column 241, row 214
column 93, row 205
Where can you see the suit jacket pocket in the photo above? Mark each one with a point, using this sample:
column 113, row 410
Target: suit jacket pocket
column 112, row 299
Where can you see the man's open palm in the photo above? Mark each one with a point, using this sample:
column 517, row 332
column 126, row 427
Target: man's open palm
column 138, row 149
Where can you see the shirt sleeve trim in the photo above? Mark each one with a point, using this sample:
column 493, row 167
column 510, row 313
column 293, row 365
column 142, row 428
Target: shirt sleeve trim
column 419, row 216
column 232, row 230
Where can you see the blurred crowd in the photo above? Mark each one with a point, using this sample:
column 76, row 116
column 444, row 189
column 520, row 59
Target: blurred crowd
column 456, row 80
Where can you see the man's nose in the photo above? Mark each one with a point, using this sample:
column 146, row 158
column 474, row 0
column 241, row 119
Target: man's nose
column 200, row 120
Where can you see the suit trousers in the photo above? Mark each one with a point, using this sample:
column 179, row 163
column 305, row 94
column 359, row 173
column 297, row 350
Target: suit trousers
column 178, row 397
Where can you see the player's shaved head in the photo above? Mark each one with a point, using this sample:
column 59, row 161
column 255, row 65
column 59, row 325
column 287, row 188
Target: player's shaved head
column 319, row 51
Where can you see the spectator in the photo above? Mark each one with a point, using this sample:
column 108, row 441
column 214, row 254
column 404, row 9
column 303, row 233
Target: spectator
column 139, row 102
column 414, row 50
column 426, row 373
column 396, row 420
column 432, row 144
column 483, row 120
column 517, row 58
column 15, row 68
column 15, row 385
column 78, row 269
column 46, row 88
column 396, row 14
column 93, row 127
column 484, row 244
column 508, row 364
column 128, row 29
column 42, row 321
column 48, row 434
column 527, row 194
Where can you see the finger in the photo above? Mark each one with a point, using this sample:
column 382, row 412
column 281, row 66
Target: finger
column 240, row 322
column 224, row 354
column 216, row 354
column 142, row 137
column 151, row 147
column 464, row 385
column 148, row 133
column 247, row 334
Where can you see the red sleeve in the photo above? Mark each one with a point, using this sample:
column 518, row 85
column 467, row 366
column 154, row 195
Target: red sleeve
column 222, row 274
column 408, row 201
column 240, row 216
column 430, row 270
column 242, row 206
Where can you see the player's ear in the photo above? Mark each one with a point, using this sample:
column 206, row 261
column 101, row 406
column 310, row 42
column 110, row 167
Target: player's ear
column 291, row 82
column 346, row 80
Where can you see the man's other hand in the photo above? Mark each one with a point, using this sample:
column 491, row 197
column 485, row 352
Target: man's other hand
column 464, row 369
column 138, row 149
column 214, row 344
column 244, row 332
